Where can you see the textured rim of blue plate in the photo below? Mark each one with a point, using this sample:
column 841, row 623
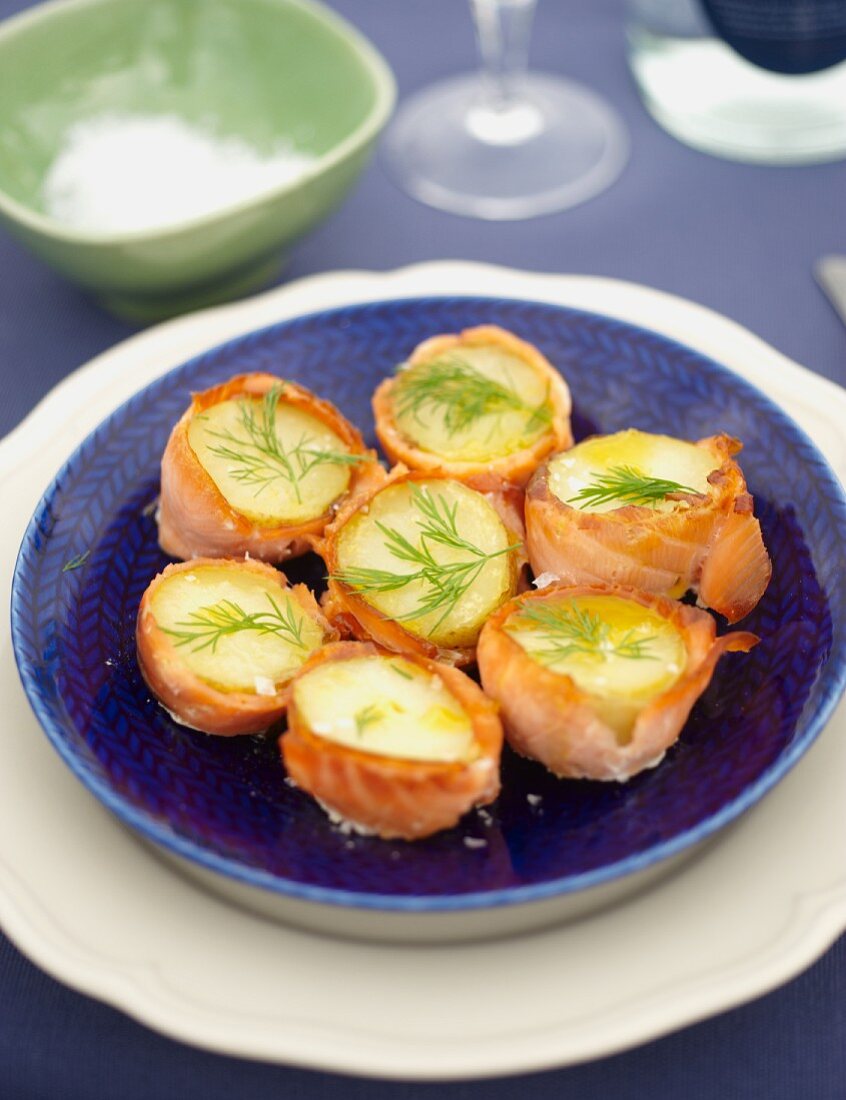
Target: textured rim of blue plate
column 833, row 675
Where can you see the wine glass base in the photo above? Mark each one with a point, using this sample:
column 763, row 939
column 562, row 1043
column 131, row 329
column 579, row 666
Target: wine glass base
column 555, row 144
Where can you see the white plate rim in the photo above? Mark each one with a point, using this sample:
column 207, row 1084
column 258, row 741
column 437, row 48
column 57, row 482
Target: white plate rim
column 808, row 918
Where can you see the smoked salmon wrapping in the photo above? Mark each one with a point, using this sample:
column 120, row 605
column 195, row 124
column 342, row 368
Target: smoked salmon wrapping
column 190, row 699
column 499, row 474
column 353, row 617
column 395, row 798
column 548, row 718
column 711, row 544
column 194, row 517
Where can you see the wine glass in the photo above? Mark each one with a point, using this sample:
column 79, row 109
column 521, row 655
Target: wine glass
column 505, row 143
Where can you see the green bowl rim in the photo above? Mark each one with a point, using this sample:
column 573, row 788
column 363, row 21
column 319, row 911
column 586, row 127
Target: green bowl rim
column 376, row 65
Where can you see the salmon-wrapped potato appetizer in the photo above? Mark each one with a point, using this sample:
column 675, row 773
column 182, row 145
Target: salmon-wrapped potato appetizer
column 256, row 466
column 393, row 745
column 483, row 406
column 651, row 512
column 596, row 682
column 418, row 565
column 218, row 642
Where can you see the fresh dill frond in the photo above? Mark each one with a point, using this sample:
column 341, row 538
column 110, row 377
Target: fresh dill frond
column 257, row 455
column 204, row 628
column 440, row 520
column 462, row 395
column 76, row 562
column 444, row 583
column 569, row 629
column 367, row 716
column 628, row 485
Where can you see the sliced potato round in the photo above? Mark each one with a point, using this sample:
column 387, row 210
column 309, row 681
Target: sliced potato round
column 653, row 513
column 420, row 565
column 483, row 406
column 257, row 466
column 385, row 705
column 397, row 746
column 273, row 462
column 218, row 641
column 234, row 628
column 596, row 682
column 473, row 403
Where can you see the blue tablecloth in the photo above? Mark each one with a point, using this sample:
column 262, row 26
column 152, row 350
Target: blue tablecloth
column 740, row 239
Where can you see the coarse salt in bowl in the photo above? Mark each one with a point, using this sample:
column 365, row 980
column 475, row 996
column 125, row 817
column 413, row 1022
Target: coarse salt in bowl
column 120, row 172
column 166, row 154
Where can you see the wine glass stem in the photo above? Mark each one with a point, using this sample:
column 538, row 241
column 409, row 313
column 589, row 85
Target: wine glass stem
column 503, row 30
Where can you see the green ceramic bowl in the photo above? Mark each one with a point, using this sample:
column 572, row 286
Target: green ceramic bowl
column 262, row 71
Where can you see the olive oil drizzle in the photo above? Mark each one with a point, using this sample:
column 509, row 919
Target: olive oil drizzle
column 569, row 629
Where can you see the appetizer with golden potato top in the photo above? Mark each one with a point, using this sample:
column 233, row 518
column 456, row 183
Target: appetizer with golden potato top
column 651, row 512
column 257, row 466
column 596, row 682
column 219, row 640
column 393, row 745
column 419, row 565
column 483, row 406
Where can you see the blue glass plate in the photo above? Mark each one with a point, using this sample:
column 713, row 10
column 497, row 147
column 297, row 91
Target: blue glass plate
column 91, row 550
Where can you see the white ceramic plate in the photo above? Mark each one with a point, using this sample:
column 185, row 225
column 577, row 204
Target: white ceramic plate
column 84, row 900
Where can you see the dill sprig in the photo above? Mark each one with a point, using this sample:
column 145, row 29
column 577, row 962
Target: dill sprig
column 76, row 562
column 206, row 626
column 367, row 716
column 445, row 583
column 571, row 629
column 463, row 395
column 259, row 457
column 628, row 485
